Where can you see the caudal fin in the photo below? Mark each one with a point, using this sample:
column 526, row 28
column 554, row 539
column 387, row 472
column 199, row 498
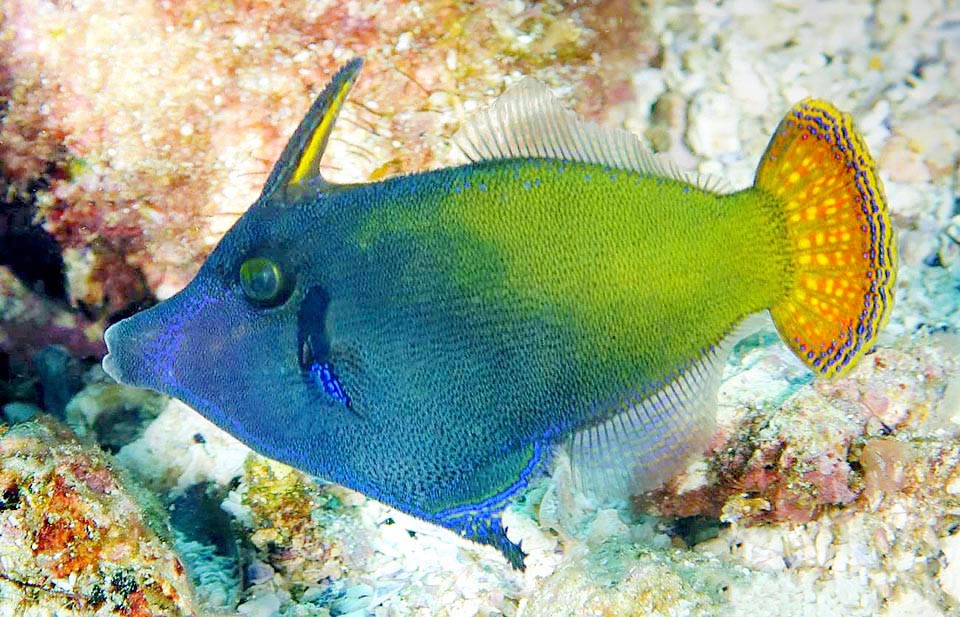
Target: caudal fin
column 844, row 253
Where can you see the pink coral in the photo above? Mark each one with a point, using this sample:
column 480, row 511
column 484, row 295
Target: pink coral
column 819, row 450
column 160, row 121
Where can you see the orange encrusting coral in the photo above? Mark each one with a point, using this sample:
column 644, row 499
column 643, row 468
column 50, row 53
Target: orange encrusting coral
column 844, row 258
column 65, row 539
column 76, row 537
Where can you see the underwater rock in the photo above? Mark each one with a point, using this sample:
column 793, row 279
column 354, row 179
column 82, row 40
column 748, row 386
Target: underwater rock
column 19, row 412
column 934, row 136
column 60, row 376
column 29, row 322
column 830, row 443
column 870, row 549
column 625, row 581
column 629, row 579
column 713, row 129
column 950, row 243
column 103, row 285
column 884, row 462
column 25, row 247
column 287, row 513
column 77, row 539
column 305, row 541
column 949, row 576
column 180, row 449
column 48, row 274
column 903, row 163
column 114, row 415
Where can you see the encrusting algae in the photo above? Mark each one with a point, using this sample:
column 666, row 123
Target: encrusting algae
column 431, row 340
column 77, row 536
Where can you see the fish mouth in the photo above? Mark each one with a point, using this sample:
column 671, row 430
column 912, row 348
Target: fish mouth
column 135, row 349
column 111, row 362
column 147, row 349
column 110, row 367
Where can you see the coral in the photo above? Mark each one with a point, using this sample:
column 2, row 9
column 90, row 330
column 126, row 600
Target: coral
column 75, row 539
column 858, row 558
column 870, row 550
column 884, row 462
column 288, row 515
column 830, row 444
column 29, row 322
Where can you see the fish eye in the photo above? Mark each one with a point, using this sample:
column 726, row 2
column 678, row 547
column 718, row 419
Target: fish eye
column 263, row 281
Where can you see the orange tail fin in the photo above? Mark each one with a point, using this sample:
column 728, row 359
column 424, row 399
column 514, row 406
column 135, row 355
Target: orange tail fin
column 835, row 212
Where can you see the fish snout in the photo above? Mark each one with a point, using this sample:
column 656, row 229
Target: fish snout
column 144, row 350
column 177, row 347
column 109, row 362
column 131, row 350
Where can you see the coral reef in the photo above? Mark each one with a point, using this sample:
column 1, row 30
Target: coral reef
column 830, row 443
column 30, row 322
column 75, row 538
column 288, row 516
column 157, row 184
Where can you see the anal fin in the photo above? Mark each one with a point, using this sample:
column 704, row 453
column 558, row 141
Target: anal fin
column 653, row 432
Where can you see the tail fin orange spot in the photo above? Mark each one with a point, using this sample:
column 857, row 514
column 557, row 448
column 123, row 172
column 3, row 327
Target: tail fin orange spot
column 843, row 289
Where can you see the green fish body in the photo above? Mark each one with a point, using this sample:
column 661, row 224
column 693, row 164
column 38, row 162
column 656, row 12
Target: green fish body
column 432, row 340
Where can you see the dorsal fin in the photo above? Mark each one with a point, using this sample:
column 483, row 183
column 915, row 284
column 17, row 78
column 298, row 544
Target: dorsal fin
column 298, row 168
column 527, row 121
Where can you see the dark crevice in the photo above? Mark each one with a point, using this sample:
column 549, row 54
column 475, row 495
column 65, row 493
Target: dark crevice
column 31, row 253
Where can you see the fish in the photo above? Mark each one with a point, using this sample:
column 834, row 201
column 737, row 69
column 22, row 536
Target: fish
column 439, row 340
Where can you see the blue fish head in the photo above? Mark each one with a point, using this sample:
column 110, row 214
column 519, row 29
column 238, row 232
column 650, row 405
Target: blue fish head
column 243, row 343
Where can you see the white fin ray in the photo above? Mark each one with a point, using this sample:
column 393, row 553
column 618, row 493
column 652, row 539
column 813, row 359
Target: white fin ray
column 527, row 121
column 650, row 439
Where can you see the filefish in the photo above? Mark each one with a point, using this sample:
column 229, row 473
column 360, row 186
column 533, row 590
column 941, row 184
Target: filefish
column 435, row 340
